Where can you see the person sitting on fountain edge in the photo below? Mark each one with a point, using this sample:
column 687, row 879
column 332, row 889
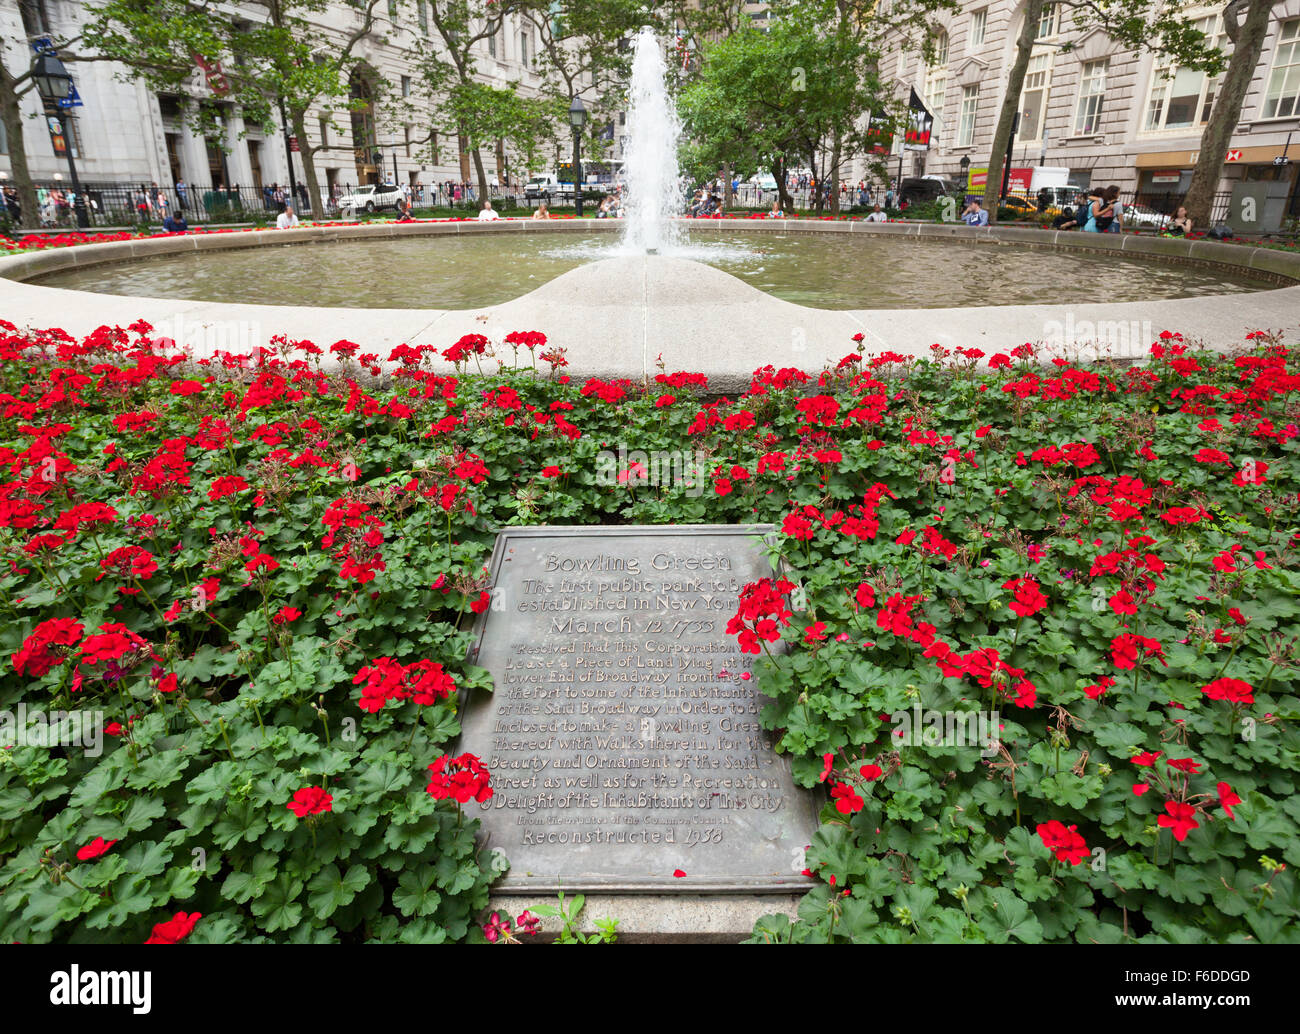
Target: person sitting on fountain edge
column 488, row 213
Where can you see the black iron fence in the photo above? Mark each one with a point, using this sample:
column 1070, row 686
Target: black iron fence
column 128, row 204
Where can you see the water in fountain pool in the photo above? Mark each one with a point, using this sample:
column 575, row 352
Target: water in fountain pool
column 840, row 272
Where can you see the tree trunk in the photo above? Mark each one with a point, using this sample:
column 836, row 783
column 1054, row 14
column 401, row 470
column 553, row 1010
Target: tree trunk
column 11, row 115
column 308, row 156
column 816, row 181
column 726, row 187
column 782, row 194
column 484, row 193
column 833, row 176
column 1248, row 42
column 998, row 156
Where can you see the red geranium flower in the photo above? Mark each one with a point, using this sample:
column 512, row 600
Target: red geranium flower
column 846, row 799
column 1235, row 691
column 1180, row 818
column 311, row 800
column 462, row 779
column 175, row 929
column 100, row 846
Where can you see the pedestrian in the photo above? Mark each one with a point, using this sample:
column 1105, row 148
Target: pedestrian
column 975, row 214
column 1069, row 219
column 13, row 205
column 1101, row 210
column 1180, row 225
column 182, row 193
column 889, row 197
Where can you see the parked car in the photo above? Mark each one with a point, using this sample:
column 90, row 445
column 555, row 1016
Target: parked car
column 1141, row 217
column 372, row 197
column 927, row 188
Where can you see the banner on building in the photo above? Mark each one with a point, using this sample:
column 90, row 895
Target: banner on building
column 919, row 124
column 216, row 79
column 1018, row 180
column 57, row 139
column 880, row 134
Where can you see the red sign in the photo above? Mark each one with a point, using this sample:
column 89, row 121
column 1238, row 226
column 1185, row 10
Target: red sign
column 212, row 74
column 293, row 143
column 1233, row 156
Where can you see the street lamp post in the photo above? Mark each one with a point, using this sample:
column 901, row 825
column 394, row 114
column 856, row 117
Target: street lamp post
column 288, row 157
column 54, row 84
column 964, row 164
column 577, row 119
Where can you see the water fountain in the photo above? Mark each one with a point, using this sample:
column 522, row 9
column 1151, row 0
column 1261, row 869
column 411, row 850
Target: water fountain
column 654, row 189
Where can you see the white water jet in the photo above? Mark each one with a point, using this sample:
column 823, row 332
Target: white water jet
column 653, row 184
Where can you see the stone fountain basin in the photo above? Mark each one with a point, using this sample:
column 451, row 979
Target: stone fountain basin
column 627, row 316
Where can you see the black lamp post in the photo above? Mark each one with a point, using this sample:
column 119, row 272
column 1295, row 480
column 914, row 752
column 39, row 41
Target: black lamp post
column 54, row 84
column 577, row 119
column 964, row 164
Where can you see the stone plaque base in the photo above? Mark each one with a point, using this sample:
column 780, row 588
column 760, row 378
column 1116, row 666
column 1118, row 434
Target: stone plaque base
column 662, row 919
column 624, row 736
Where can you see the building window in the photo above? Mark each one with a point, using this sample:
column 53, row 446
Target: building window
column 422, row 13
column 1181, row 98
column 979, row 22
column 1283, row 96
column 1033, row 98
column 1092, row 87
column 392, row 8
column 970, row 96
column 4, row 140
column 936, row 77
column 324, row 131
column 1049, row 22
column 406, row 132
column 523, row 48
column 492, row 45
column 406, row 86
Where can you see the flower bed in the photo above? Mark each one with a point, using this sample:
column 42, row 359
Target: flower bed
column 257, row 573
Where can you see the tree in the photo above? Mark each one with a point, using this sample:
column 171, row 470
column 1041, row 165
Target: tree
column 477, row 112
column 582, row 51
column 16, row 83
column 1154, row 25
column 797, row 93
column 1247, row 43
column 273, row 57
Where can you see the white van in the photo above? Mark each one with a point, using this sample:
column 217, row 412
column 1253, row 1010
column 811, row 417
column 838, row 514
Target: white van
column 544, row 186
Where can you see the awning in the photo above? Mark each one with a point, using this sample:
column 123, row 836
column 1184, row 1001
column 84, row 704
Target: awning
column 1262, row 154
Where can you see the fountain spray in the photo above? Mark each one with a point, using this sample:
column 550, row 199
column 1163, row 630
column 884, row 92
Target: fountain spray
column 654, row 189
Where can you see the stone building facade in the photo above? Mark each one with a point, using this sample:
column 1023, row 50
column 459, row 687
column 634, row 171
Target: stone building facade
column 1107, row 114
column 124, row 133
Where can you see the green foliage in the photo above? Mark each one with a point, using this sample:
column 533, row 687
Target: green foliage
column 941, row 484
